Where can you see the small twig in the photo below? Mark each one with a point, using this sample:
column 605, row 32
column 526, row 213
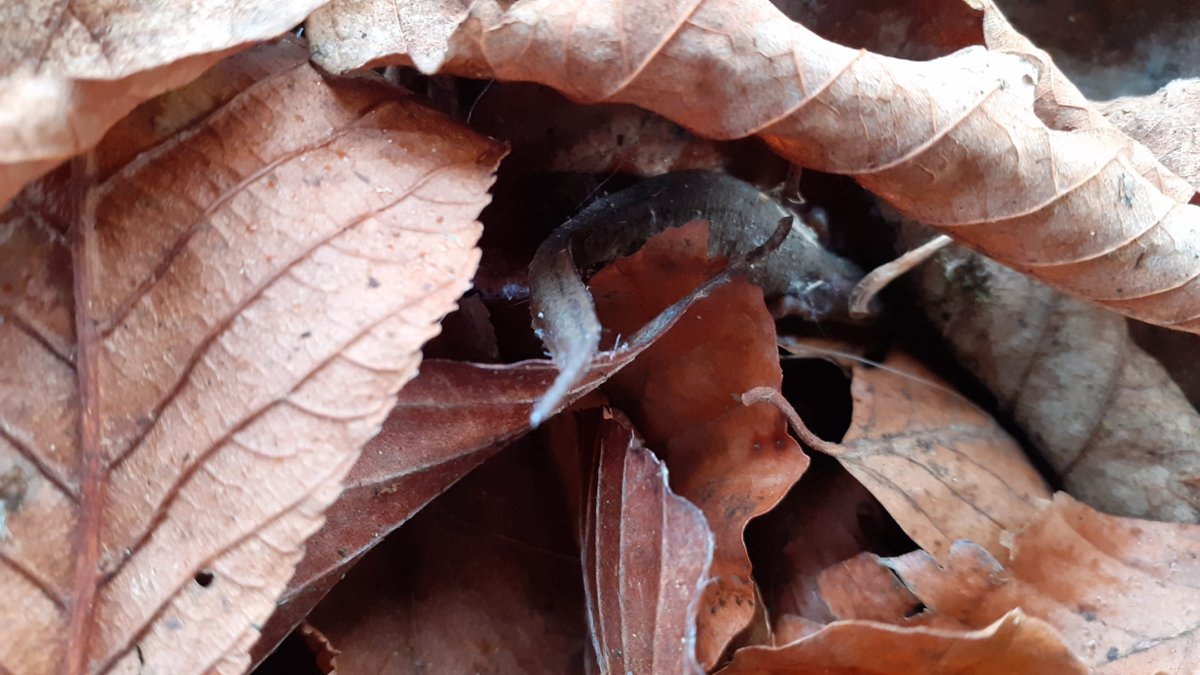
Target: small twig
column 772, row 396
column 878, row 278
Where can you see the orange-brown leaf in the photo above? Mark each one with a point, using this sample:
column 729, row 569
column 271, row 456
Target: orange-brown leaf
column 1013, row 644
column 1122, row 592
column 193, row 356
column 735, row 462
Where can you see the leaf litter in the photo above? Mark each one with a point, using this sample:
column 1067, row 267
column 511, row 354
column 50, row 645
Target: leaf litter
column 732, row 461
column 921, row 135
column 1006, row 576
column 181, row 412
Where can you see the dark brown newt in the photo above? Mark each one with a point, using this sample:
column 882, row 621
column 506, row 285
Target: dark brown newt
column 798, row 278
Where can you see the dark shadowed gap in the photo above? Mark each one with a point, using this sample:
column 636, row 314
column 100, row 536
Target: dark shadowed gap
column 828, row 516
column 293, row 657
column 820, row 393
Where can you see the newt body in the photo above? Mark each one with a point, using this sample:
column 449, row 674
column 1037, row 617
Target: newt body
column 800, row 277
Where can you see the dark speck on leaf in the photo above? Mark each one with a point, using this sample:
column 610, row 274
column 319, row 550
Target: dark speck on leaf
column 306, row 334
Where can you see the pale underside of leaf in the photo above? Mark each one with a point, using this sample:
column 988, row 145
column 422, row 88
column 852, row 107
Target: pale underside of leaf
column 954, row 142
column 1103, row 413
column 1166, row 122
column 251, row 293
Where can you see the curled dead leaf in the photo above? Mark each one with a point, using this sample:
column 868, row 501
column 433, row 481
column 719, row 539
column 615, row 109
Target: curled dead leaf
column 193, row 356
column 1166, row 122
column 1059, row 103
column 735, row 462
column 955, row 142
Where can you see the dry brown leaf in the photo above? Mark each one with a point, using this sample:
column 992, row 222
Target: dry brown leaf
column 453, row 416
column 69, row 71
column 735, row 462
column 164, row 116
column 1103, row 413
column 645, row 560
column 193, row 359
column 942, row 467
column 484, row 580
column 954, row 142
column 940, row 26
column 863, row 589
column 550, row 133
column 1062, row 106
column 1167, row 122
column 355, row 33
column 1122, row 592
column 1015, row 643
